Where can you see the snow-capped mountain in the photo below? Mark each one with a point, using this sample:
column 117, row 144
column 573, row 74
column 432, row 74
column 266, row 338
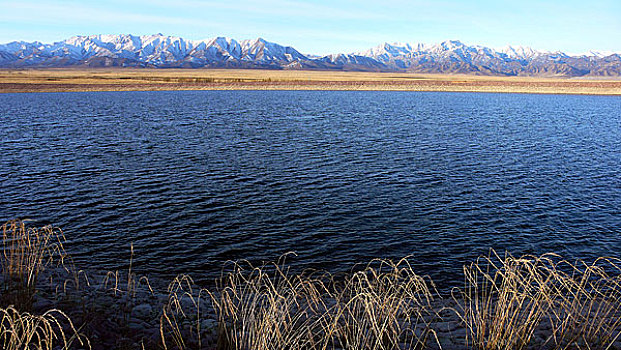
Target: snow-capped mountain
column 148, row 51
column 451, row 56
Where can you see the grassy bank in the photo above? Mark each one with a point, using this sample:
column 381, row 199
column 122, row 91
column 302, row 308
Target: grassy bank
column 122, row 79
column 530, row 302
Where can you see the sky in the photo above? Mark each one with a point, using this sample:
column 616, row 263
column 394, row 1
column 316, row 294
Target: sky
column 328, row 26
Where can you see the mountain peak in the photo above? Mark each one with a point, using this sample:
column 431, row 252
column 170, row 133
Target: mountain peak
column 451, row 44
column 158, row 50
column 523, row 52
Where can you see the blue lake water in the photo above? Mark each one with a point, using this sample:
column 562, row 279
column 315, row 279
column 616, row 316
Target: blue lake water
column 196, row 178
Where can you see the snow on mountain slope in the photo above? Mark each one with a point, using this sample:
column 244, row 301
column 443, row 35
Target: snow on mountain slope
column 519, row 52
column 386, row 51
column 451, row 56
column 150, row 50
column 353, row 62
column 265, row 51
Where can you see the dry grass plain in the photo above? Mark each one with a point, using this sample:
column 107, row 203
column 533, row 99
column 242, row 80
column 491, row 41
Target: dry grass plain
column 124, row 79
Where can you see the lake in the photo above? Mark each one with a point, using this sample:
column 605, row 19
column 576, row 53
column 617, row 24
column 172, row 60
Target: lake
column 195, row 178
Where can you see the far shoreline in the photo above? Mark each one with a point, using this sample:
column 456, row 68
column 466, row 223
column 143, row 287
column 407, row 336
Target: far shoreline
column 124, row 79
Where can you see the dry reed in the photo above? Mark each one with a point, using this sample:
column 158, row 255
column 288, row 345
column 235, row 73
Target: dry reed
column 541, row 302
column 267, row 307
column 384, row 306
column 530, row 302
column 504, row 300
column 20, row 331
column 585, row 307
column 180, row 322
column 26, row 251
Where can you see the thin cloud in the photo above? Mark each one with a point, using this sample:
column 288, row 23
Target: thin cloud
column 63, row 13
column 280, row 8
column 327, row 26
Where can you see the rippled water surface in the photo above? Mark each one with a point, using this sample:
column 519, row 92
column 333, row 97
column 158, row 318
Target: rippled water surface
column 196, row 178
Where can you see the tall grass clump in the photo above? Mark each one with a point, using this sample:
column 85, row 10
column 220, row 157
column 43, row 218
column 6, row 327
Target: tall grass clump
column 21, row 331
column 541, row 302
column 267, row 307
column 26, row 251
column 384, row 306
column 505, row 303
column 586, row 305
column 504, row 300
column 181, row 323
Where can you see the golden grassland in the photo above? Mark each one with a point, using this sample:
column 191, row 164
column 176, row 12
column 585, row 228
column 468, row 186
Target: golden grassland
column 504, row 303
column 126, row 79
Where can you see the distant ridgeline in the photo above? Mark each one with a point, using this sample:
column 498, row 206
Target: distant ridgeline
column 159, row 51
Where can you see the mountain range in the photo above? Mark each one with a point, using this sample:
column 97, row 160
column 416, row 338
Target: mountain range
column 160, row 51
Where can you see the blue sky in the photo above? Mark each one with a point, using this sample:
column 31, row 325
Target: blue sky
column 323, row 27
